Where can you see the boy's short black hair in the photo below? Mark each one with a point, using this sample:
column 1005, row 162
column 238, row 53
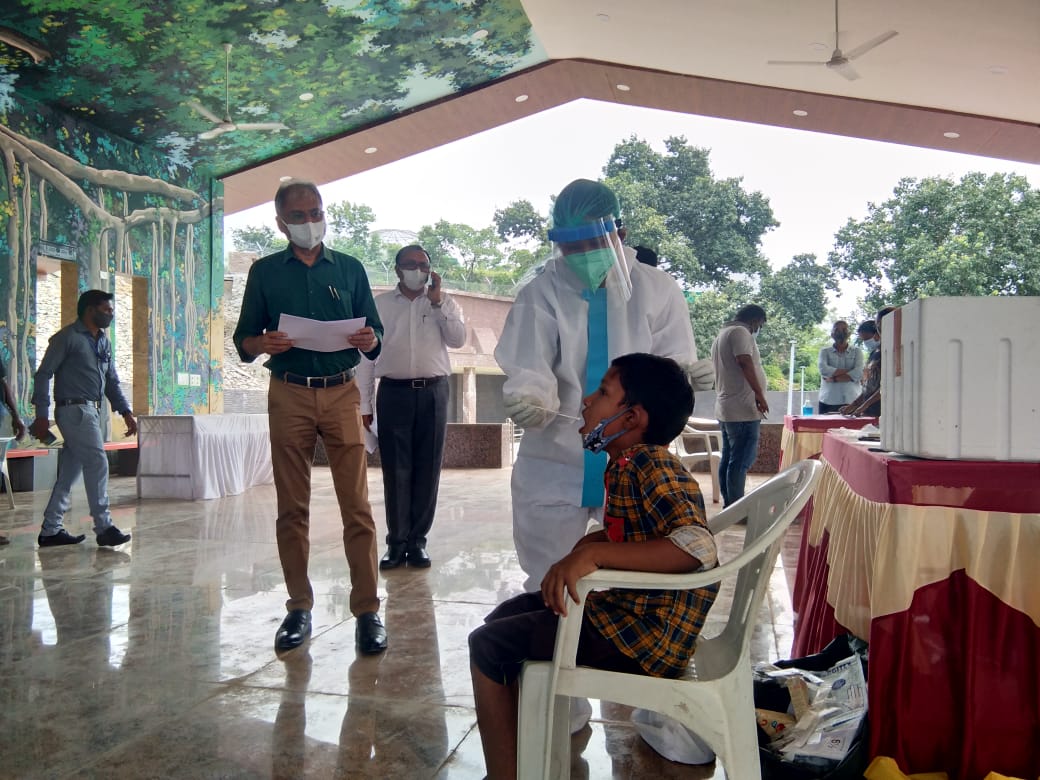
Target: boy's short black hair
column 660, row 386
column 868, row 327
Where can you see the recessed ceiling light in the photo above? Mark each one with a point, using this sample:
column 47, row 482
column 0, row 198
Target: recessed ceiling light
column 819, row 46
column 997, row 70
column 800, row 112
column 951, row 134
column 480, row 34
column 603, row 17
column 284, row 178
column 520, row 98
column 371, row 149
column 624, row 88
column 307, row 96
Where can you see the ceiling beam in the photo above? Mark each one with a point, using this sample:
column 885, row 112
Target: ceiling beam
column 556, row 83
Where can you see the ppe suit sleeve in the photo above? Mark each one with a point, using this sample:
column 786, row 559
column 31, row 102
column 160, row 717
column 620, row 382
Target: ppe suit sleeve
column 671, row 327
column 526, row 352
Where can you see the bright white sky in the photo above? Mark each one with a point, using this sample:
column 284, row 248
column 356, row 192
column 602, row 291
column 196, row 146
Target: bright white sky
column 814, row 182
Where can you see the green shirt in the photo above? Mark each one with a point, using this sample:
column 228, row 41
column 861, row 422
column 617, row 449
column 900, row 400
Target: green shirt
column 334, row 288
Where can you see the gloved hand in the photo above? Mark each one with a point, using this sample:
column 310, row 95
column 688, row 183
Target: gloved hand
column 525, row 411
column 701, row 375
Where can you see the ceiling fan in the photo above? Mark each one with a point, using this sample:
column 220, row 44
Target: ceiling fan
column 225, row 125
column 840, row 61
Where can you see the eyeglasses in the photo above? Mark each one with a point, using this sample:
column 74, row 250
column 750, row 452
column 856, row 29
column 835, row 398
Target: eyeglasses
column 299, row 217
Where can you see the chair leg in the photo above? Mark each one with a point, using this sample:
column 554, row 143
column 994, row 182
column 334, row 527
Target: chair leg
column 7, row 485
column 534, row 742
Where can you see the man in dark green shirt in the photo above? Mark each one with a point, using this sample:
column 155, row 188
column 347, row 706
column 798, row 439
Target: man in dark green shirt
column 314, row 392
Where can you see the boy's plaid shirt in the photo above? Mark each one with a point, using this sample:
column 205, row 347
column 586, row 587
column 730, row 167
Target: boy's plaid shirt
column 650, row 495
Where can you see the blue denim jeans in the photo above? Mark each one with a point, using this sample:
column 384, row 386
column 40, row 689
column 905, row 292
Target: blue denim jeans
column 739, row 449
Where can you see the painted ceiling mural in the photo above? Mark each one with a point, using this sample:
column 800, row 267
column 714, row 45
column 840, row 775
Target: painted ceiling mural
column 159, row 72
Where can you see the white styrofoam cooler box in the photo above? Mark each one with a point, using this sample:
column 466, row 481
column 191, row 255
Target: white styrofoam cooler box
column 960, row 379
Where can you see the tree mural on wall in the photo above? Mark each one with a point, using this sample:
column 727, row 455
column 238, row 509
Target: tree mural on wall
column 102, row 200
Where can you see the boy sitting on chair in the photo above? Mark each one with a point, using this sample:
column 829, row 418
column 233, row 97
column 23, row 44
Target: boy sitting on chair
column 654, row 521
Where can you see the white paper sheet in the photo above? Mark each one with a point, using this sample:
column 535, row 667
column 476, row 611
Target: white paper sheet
column 371, row 438
column 319, row 335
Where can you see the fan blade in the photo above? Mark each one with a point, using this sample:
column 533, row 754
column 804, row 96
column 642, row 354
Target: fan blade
column 859, row 51
column 795, row 62
column 261, row 126
column 843, row 68
column 201, row 109
column 220, row 130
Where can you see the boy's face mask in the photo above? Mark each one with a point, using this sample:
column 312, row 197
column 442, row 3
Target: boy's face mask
column 595, row 441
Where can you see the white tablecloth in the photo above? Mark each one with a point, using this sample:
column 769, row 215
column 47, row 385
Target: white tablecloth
column 202, row 456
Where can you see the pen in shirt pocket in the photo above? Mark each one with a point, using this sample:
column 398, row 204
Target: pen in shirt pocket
column 334, row 293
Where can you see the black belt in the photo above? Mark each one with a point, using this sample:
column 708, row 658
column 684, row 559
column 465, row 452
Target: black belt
column 317, row 381
column 415, row 384
column 78, row 402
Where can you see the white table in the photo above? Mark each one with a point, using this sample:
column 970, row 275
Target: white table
column 202, row 456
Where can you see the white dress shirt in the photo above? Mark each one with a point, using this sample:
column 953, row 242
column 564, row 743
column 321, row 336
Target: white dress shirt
column 416, row 338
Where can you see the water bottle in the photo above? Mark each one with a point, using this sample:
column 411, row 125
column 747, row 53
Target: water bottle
column 806, row 408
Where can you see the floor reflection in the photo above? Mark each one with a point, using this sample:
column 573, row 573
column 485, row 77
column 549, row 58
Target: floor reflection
column 156, row 660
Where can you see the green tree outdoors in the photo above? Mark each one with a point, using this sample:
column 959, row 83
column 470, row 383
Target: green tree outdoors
column 936, row 236
column 979, row 236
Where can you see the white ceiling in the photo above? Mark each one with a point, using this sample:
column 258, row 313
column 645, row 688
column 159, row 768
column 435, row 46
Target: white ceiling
column 942, row 57
column 972, row 66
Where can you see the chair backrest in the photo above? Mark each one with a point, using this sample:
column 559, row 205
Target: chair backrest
column 769, row 510
column 5, row 445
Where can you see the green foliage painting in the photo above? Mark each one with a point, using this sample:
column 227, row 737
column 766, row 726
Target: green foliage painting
column 109, row 207
column 151, row 70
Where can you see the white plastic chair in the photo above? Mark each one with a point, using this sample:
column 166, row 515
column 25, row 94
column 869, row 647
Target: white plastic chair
column 714, row 697
column 5, row 445
column 705, row 432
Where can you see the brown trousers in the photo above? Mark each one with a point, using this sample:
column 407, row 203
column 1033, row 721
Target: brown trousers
column 297, row 416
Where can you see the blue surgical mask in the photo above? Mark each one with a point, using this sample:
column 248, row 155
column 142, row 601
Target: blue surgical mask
column 872, row 344
column 595, row 441
column 592, row 267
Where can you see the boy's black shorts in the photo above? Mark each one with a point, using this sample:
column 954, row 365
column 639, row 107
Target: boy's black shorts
column 524, row 629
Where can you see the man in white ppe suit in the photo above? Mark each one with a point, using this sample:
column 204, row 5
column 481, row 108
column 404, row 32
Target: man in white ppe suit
column 589, row 305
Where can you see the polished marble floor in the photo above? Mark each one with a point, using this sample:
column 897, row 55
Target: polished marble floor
column 156, row 660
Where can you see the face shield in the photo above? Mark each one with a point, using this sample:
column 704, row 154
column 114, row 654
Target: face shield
column 593, row 252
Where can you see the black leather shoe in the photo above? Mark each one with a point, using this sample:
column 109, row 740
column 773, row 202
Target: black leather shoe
column 417, row 557
column 370, row 635
column 395, row 556
column 112, row 537
column 294, row 630
column 58, row 539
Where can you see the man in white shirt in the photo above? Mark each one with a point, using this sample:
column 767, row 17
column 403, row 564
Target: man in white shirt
column 740, row 401
column 411, row 404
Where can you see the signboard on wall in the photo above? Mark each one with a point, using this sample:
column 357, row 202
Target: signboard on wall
column 57, row 251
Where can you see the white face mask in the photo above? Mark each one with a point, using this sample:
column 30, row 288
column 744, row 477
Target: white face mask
column 308, row 235
column 414, row 279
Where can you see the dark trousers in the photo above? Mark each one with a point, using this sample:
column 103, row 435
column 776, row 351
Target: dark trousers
column 412, row 422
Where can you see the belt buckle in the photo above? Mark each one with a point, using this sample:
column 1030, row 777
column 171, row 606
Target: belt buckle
column 418, row 384
column 309, row 382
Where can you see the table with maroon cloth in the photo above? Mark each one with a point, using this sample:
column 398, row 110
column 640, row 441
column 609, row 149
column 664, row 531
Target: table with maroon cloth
column 934, row 563
column 802, row 436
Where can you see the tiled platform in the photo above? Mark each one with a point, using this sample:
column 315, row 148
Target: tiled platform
column 157, row 661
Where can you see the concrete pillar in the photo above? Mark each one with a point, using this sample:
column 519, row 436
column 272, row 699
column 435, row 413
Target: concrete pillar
column 467, row 397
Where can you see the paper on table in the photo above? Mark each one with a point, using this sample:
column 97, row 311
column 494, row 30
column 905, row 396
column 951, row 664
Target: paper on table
column 319, row 335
